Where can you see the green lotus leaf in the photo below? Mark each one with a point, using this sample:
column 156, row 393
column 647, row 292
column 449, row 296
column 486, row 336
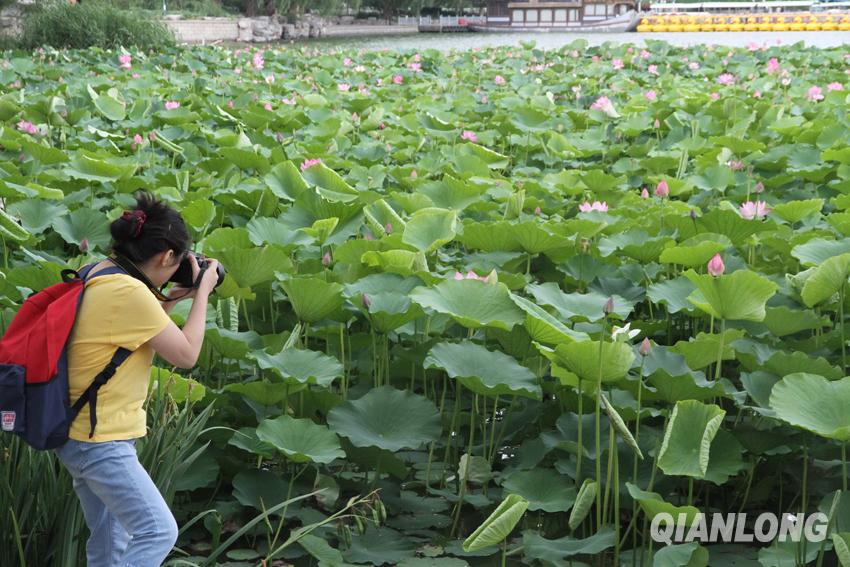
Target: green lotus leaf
column 37, row 215
column 485, row 372
column 330, row 185
column 450, row 193
column 260, row 489
column 402, row 262
column 783, row 321
column 490, row 236
column 620, row 425
column 380, row 547
column 301, row 440
column 108, row 104
column 701, row 351
column 584, row 305
column 179, row 388
column 817, row 251
column 300, row 365
column 652, row 504
column 535, row 239
column 813, row 403
column 795, row 211
column 529, row 119
column 471, row 303
column 100, row 167
column 387, row 418
column 246, row 159
column 429, row 229
column 246, row 439
column 682, row 555
column 313, row 298
column 45, row 154
column 554, row 551
column 544, row 489
column 543, row 327
column 375, row 284
column 696, row 251
column 29, row 189
column 582, row 358
column 740, row 295
column 498, row 525
column 826, row 280
column 84, row 224
column 389, row 311
column 262, row 392
column 254, row 266
column 725, row 458
column 687, row 439
column 672, row 293
column 841, row 543
column 286, row 181
column 730, row 224
column 321, row 550
column 265, row 230
column 584, row 502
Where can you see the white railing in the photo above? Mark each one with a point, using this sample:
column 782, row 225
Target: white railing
column 452, row 20
column 407, row 20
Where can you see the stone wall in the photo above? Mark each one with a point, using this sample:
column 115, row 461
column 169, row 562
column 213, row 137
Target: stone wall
column 11, row 19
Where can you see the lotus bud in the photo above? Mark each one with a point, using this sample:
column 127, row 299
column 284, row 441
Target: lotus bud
column 693, row 214
column 759, row 187
column 537, row 211
column 366, row 301
column 585, row 245
column 645, row 346
column 413, row 174
column 716, row 266
column 368, row 235
column 662, row 190
column 492, row 278
column 326, row 259
column 608, row 308
column 644, row 194
column 656, row 124
column 388, row 228
column 84, row 245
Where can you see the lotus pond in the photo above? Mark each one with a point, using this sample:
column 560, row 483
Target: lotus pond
column 484, row 307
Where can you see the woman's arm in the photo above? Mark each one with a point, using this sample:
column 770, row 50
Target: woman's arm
column 181, row 347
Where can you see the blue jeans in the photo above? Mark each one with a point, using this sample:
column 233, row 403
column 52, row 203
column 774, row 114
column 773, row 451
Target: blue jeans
column 130, row 523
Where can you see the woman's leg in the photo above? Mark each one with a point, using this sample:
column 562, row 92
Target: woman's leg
column 108, row 539
column 112, row 472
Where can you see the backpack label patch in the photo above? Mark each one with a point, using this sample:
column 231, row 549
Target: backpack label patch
column 7, row 419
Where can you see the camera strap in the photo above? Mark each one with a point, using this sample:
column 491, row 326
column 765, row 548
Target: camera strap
column 133, row 271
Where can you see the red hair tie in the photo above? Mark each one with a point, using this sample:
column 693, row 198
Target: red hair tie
column 136, row 215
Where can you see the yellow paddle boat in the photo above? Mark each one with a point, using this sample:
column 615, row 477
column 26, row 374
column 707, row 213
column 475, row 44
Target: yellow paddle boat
column 797, row 24
column 780, row 24
column 830, row 23
column 736, row 24
column 691, row 24
column 765, row 23
column 643, row 25
column 675, row 24
column 813, row 24
column 751, row 23
column 844, row 25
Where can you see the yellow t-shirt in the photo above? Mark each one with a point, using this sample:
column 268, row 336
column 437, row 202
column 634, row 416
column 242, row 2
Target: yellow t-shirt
column 117, row 311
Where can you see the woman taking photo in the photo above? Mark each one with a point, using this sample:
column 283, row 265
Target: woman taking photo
column 130, row 523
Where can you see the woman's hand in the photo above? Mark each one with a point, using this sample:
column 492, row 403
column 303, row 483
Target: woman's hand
column 210, row 279
column 176, row 294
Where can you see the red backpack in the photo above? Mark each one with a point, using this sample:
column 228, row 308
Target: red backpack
column 34, row 395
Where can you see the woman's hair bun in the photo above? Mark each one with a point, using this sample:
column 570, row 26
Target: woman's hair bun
column 151, row 226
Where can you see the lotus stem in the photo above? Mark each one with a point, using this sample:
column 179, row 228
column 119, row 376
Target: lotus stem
column 841, row 326
column 720, row 350
column 616, row 501
column 580, row 443
column 598, row 428
column 844, row 466
column 612, row 440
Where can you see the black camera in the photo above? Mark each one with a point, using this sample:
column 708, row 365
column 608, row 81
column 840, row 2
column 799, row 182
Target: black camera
column 183, row 275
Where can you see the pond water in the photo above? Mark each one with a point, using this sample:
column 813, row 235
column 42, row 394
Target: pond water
column 555, row 40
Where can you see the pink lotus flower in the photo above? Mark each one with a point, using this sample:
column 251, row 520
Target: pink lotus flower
column 490, row 278
column 134, row 75
column 716, row 266
column 735, row 165
column 759, row 188
column 417, row 57
column 125, row 60
column 171, row 104
column 326, row 259
column 229, row 104
column 814, row 94
column 346, row 62
column 388, row 228
column 268, row 106
column 499, row 80
column 617, row 64
column 714, row 96
column 343, row 87
column 137, row 139
column 693, row 65
column 269, row 79
column 413, row 174
column 415, row 67
column 27, row 127
column 359, row 68
column 753, row 46
column 586, row 207
column 652, row 69
column 152, row 136
column 644, row 194
column 308, row 163
column 605, row 105
column 398, row 79
column 538, row 211
column 726, row 79
column 288, row 101
column 754, row 210
column 644, row 54
column 772, row 65
column 258, row 60
column 650, row 95
column 835, row 86
column 662, row 190
column 645, row 347
column 469, row 135
column 757, row 94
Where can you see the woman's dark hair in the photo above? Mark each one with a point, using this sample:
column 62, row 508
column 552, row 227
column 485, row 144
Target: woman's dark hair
column 152, row 227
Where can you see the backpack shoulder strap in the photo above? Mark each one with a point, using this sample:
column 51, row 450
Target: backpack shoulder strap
column 90, row 395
